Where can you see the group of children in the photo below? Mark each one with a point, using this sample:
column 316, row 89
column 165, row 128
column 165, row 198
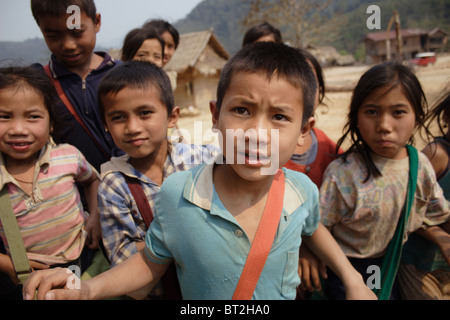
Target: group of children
column 207, row 211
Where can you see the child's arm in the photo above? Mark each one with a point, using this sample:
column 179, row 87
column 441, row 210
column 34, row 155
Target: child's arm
column 310, row 269
column 53, row 284
column 327, row 250
column 6, row 266
column 92, row 226
column 440, row 236
column 438, row 157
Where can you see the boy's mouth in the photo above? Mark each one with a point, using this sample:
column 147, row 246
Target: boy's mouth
column 136, row 142
column 254, row 158
column 72, row 57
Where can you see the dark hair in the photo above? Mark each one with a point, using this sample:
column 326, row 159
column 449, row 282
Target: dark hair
column 37, row 80
column 134, row 40
column 162, row 26
column 137, row 75
column 264, row 29
column 42, row 8
column 272, row 59
column 318, row 70
column 386, row 75
column 440, row 110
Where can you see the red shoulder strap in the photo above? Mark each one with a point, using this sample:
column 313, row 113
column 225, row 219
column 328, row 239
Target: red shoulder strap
column 69, row 106
column 141, row 199
column 263, row 241
column 169, row 280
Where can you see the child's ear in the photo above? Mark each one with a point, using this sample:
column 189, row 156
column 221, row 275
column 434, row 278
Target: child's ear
column 97, row 22
column 305, row 131
column 214, row 113
column 173, row 118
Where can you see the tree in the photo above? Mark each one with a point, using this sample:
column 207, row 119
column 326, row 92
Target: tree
column 299, row 20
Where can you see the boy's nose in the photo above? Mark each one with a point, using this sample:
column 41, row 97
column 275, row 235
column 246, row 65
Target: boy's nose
column 69, row 43
column 132, row 126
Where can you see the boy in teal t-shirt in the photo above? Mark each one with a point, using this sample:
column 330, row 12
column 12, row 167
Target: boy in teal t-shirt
column 266, row 91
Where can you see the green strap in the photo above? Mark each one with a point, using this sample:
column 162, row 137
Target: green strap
column 392, row 257
column 15, row 241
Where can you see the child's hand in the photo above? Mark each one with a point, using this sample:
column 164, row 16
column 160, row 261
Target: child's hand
column 444, row 247
column 310, row 269
column 38, row 266
column 94, row 231
column 53, row 284
column 361, row 292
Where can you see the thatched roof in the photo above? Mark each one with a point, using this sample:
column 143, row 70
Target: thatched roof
column 191, row 49
column 405, row 33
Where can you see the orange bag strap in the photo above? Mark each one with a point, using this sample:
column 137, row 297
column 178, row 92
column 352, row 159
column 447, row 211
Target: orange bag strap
column 69, row 106
column 263, row 240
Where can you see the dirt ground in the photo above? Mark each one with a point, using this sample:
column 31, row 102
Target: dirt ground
column 331, row 119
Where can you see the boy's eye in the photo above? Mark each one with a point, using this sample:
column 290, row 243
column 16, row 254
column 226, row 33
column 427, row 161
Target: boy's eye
column 77, row 32
column 241, row 110
column 117, row 118
column 4, row 117
column 52, row 36
column 280, row 117
column 145, row 113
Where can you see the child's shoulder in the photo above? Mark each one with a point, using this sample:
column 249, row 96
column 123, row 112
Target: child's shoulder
column 299, row 182
column 64, row 149
column 193, row 154
column 297, row 177
column 116, row 165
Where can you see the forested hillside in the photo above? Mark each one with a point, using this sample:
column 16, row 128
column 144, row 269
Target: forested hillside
column 343, row 22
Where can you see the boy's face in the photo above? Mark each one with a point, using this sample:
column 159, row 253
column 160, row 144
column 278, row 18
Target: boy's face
column 72, row 48
column 253, row 103
column 138, row 120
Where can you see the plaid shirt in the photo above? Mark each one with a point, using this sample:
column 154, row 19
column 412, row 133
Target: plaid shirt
column 122, row 224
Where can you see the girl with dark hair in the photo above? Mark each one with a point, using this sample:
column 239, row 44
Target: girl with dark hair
column 40, row 177
column 144, row 45
column 425, row 271
column 168, row 33
column 363, row 192
column 264, row 32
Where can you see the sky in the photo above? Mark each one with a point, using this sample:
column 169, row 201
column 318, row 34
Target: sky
column 118, row 17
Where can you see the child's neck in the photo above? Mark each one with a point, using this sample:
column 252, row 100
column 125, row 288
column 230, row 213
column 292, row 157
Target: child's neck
column 152, row 166
column 252, row 196
column 22, row 171
column 93, row 63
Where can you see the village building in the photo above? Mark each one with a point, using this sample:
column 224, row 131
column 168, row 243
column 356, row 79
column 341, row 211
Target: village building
column 413, row 41
column 197, row 62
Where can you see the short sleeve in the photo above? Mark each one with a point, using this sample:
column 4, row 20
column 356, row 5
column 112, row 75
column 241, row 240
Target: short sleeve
column 313, row 219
